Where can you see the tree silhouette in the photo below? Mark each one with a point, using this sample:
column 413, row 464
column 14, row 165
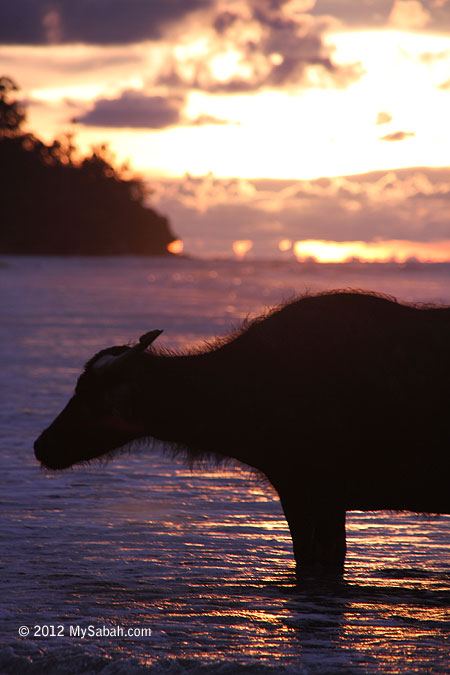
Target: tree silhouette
column 52, row 203
column 12, row 114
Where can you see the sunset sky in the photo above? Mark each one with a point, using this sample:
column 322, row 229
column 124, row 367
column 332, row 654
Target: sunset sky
column 233, row 108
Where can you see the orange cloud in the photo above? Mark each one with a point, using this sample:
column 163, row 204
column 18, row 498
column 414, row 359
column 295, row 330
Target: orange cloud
column 397, row 136
column 383, row 118
column 408, row 15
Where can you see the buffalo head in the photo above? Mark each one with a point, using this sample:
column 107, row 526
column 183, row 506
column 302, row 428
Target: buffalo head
column 99, row 417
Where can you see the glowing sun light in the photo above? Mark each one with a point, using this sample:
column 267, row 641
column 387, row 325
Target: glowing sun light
column 377, row 251
column 241, row 247
column 175, row 247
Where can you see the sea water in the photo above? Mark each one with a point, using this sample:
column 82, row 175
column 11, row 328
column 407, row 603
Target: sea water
column 142, row 565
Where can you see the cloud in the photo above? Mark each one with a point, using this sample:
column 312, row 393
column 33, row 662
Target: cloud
column 408, row 15
column 99, row 22
column 432, row 57
column 407, row 204
column 107, row 22
column 398, row 136
column 137, row 110
column 109, row 69
column 373, row 13
column 405, row 14
column 445, row 86
column 247, row 46
column 383, row 118
column 134, row 109
column 203, row 120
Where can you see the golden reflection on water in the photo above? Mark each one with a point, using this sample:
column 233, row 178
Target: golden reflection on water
column 204, row 558
column 374, row 632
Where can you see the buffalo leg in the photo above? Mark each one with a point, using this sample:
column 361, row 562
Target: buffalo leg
column 318, row 533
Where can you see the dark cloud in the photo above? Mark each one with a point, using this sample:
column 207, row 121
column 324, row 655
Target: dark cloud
column 291, row 41
column 224, row 20
column 296, row 52
column 202, row 79
column 134, row 110
column 397, row 136
column 93, row 62
column 89, row 21
column 127, row 21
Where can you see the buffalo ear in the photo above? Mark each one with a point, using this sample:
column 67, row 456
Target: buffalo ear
column 147, row 339
column 114, row 364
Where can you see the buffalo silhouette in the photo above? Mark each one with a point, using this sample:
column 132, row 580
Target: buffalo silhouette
column 341, row 399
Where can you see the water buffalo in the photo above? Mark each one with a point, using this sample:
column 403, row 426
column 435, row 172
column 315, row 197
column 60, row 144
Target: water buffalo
column 341, row 399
